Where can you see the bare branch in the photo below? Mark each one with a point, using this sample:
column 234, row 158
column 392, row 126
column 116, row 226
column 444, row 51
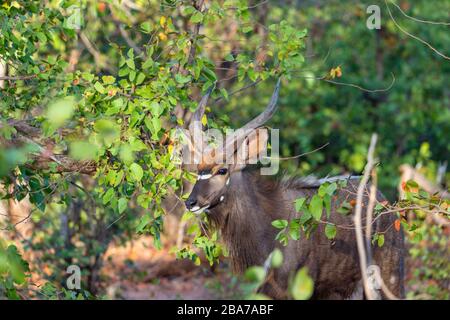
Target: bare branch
column 409, row 173
column 198, row 5
column 419, row 20
column 370, row 294
column 413, row 36
column 42, row 160
column 360, row 87
column 299, row 155
column 15, row 78
column 369, row 215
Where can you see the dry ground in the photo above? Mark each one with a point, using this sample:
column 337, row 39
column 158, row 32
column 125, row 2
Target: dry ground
column 139, row 271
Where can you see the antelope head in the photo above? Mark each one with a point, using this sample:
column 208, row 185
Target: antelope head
column 216, row 165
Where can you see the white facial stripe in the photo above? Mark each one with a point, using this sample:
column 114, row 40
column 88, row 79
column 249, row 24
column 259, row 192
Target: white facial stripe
column 198, row 210
column 221, row 198
column 228, row 181
column 204, row 176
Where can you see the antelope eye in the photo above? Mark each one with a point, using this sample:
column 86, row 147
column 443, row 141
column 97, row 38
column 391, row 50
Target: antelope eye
column 222, row 171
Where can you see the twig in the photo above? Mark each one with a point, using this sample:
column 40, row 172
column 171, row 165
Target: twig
column 419, row 20
column 361, row 88
column 99, row 61
column 324, row 78
column 14, row 78
column 413, row 36
column 198, row 5
column 369, row 215
column 241, row 89
column 127, row 38
column 299, row 155
column 370, row 294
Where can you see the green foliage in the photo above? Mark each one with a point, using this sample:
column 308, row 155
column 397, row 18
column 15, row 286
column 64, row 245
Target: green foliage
column 429, row 263
column 111, row 92
column 310, row 210
column 277, row 258
column 302, row 286
column 330, row 231
column 378, row 239
column 13, row 271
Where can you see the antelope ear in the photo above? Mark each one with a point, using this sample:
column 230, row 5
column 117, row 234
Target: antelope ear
column 252, row 147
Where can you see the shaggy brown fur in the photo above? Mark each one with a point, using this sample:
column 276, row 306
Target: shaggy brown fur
column 252, row 202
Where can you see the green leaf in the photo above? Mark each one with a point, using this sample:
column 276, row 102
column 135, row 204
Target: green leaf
column 257, row 296
column 255, row 274
column 332, row 187
column 124, row 71
column 302, row 287
column 345, row 208
column 137, row 145
column 42, row 38
column 132, row 75
column 108, row 196
column 277, row 258
column 144, row 200
column 188, row 10
column 126, row 154
column 156, row 109
column 108, row 79
column 197, row 17
column 316, row 207
column 378, row 207
column 146, row 27
column 143, row 222
column 154, row 125
column 136, row 172
column 224, row 93
column 327, row 203
column 119, row 178
column 294, row 229
column 229, row 57
column 330, row 231
column 182, row 79
column 83, row 150
column 247, row 29
column 99, row 87
column 130, row 63
column 87, row 76
column 327, row 189
column 305, row 217
column 38, row 199
column 140, row 78
column 299, row 203
column 15, row 264
column 60, row 111
column 148, row 63
column 122, row 205
column 280, row 224
column 412, row 184
column 380, row 240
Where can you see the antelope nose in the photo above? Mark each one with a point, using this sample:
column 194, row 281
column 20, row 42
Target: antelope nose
column 190, row 203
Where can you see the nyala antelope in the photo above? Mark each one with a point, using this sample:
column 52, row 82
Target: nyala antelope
column 242, row 204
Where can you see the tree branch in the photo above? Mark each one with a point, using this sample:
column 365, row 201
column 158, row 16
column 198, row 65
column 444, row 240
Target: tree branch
column 369, row 291
column 43, row 159
column 413, row 36
column 14, row 78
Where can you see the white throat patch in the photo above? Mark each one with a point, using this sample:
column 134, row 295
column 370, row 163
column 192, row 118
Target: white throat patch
column 204, row 176
column 198, row 210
